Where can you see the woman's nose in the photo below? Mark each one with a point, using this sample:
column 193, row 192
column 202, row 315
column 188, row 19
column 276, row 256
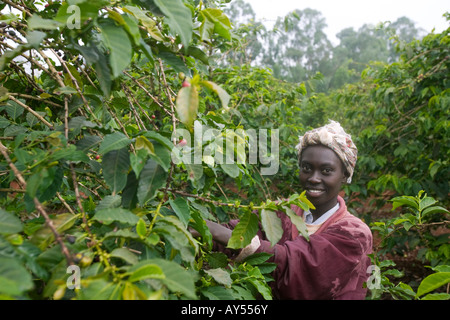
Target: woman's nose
column 314, row 178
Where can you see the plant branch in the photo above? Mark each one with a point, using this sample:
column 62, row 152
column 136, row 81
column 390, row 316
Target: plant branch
column 37, row 115
column 39, row 207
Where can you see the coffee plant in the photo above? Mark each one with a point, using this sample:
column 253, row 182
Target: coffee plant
column 101, row 102
column 416, row 227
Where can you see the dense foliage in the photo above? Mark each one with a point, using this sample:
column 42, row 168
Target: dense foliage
column 106, row 163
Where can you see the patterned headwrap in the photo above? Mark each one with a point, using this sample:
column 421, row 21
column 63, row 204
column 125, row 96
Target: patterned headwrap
column 334, row 137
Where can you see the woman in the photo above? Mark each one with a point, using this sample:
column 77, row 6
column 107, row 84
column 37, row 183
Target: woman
column 333, row 264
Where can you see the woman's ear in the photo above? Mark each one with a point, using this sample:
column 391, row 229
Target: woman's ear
column 345, row 176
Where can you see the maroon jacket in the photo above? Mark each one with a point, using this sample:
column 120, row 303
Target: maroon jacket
column 332, row 265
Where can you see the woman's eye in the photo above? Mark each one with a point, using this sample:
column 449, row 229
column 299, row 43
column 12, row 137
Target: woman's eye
column 327, row 170
column 305, row 168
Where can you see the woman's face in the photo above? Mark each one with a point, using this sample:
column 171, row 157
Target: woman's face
column 321, row 176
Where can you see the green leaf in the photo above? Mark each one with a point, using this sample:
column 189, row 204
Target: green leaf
column 138, row 161
column 199, row 224
column 158, row 137
column 231, row 169
column 244, row 231
column 298, row 222
column 218, row 293
column 126, row 255
column 181, row 208
column 13, row 109
column 404, row 200
column 141, row 229
column 174, row 61
column 426, row 202
column 257, row 258
column 434, row 209
column 9, row 223
column 145, row 270
column 177, row 278
column 152, row 178
column 214, row 20
column 272, row 226
column 115, row 165
column 179, row 18
column 102, row 71
column 114, row 141
column 262, row 288
column 122, row 233
column 176, row 238
column 99, row 289
column 109, row 202
column 108, row 216
column 194, row 171
column 64, row 90
column 142, row 143
column 223, row 95
column 14, row 278
column 187, row 105
column 117, row 41
column 217, row 259
column 432, row 282
column 437, row 296
column 36, row 22
column 180, row 227
column 220, row 276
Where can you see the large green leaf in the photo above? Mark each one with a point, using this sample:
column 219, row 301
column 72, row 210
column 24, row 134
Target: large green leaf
column 298, row 222
column 177, row 278
column 272, row 226
column 214, row 20
column 152, row 178
column 179, row 18
column 187, row 105
column 9, row 223
column 145, row 270
column 126, row 255
column 99, row 289
column 114, row 141
column 181, row 208
column 13, row 109
column 432, row 282
column 115, row 167
column 223, row 95
column 14, row 278
column 108, row 216
column 36, row 22
column 244, row 231
column 173, row 221
column 117, row 41
column 221, row 276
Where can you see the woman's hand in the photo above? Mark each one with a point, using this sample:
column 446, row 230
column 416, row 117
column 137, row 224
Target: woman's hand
column 219, row 233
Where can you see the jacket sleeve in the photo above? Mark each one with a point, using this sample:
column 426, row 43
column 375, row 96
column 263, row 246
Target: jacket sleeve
column 320, row 268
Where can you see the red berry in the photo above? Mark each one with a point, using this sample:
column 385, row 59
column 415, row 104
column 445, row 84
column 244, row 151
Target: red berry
column 153, row 116
column 97, row 157
column 186, row 84
column 182, row 143
column 46, row 5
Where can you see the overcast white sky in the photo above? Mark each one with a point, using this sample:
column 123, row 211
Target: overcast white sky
column 340, row 14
